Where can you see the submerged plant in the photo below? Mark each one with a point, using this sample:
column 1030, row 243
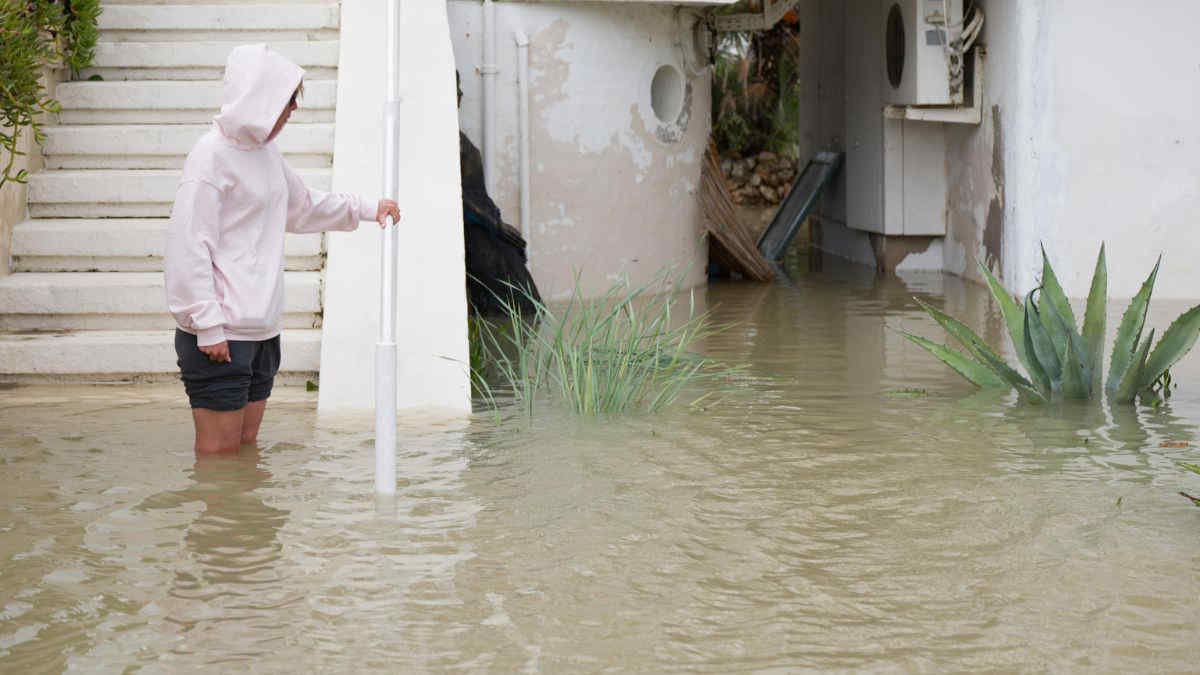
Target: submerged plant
column 1059, row 359
column 626, row 350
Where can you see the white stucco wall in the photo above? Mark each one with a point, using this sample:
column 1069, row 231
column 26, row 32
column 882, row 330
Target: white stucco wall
column 1090, row 133
column 1116, row 123
column 431, row 302
column 1094, row 108
column 612, row 188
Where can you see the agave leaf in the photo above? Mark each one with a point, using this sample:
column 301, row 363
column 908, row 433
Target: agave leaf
column 1130, row 384
column 1042, row 345
column 1190, row 467
column 1039, row 375
column 1076, row 379
column 974, row 371
column 1129, row 332
column 1052, row 292
column 1176, row 341
column 1094, row 320
column 982, row 352
column 1014, row 317
column 1080, row 378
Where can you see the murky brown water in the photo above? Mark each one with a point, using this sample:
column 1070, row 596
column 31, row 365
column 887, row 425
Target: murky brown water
column 817, row 517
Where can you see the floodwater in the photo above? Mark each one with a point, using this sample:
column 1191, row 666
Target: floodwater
column 849, row 504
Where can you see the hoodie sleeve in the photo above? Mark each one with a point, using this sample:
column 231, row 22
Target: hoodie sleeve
column 316, row 211
column 192, row 236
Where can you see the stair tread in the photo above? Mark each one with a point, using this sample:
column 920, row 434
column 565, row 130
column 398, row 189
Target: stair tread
column 258, row 16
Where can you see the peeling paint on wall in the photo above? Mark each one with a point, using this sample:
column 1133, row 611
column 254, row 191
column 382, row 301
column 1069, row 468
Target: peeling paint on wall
column 612, row 186
column 993, row 231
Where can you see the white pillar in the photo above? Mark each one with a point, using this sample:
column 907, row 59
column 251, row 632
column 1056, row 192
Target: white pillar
column 432, row 354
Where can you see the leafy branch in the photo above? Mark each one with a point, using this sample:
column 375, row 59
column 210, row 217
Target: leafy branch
column 35, row 34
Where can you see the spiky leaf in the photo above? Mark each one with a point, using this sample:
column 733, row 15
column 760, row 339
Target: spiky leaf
column 1076, row 383
column 1052, row 292
column 1177, row 341
column 979, row 349
column 1038, row 373
column 1130, row 384
column 974, row 371
column 1094, row 320
column 1129, row 332
column 1190, row 467
column 1014, row 318
column 1043, row 346
column 1076, row 379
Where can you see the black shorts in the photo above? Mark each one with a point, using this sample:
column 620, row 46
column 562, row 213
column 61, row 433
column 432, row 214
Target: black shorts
column 249, row 375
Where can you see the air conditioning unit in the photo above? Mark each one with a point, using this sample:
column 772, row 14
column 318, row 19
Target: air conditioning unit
column 916, row 69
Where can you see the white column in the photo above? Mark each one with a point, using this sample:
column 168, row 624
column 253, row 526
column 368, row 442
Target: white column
column 432, row 354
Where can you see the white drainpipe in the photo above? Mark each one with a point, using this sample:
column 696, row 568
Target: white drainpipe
column 487, row 71
column 523, row 96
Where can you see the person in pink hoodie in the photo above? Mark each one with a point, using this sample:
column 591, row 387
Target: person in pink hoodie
column 224, row 260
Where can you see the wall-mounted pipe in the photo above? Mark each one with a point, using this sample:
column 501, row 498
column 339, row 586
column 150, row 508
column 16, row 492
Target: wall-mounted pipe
column 488, row 70
column 523, row 124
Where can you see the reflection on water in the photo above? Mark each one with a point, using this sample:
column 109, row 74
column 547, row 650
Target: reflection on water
column 848, row 503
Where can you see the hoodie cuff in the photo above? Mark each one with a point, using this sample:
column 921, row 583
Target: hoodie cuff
column 367, row 208
column 207, row 337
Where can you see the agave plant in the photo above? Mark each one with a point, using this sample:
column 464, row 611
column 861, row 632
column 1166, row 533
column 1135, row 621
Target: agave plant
column 1059, row 360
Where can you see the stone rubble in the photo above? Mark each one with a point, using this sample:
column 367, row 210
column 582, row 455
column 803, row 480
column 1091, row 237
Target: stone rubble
column 762, row 180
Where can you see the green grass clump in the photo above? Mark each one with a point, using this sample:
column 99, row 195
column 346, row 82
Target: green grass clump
column 1059, row 359
column 625, row 351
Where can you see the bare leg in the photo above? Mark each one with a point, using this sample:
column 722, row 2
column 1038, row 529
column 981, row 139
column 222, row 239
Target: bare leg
column 254, row 413
column 218, row 430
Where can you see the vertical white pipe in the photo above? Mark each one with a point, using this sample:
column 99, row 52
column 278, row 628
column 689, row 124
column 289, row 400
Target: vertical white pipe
column 523, row 97
column 385, row 349
column 487, row 71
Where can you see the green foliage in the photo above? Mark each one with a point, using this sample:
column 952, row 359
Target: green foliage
column 624, row 351
column 33, row 34
column 1062, row 362
column 756, row 103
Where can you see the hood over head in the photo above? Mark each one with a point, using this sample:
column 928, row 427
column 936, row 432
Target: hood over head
column 258, row 84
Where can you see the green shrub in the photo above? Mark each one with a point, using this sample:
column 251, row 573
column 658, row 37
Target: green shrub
column 1062, row 362
column 33, row 34
column 621, row 352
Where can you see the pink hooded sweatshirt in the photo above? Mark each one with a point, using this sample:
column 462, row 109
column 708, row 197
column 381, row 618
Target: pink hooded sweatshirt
column 236, row 199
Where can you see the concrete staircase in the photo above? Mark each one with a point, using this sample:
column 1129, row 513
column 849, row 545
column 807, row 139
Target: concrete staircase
column 86, row 300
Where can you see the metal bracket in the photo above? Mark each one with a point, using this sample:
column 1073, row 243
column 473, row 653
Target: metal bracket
column 772, row 12
column 949, row 114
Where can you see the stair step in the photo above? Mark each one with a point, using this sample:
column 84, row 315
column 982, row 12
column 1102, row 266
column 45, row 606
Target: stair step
column 164, row 101
column 121, row 301
column 116, row 193
column 119, row 245
column 199, row 60
column 112, row 354
column 165, row 146
column 233, row 22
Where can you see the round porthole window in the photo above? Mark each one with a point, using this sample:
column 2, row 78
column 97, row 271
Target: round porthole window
column 895, row 46
column 666, row 94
